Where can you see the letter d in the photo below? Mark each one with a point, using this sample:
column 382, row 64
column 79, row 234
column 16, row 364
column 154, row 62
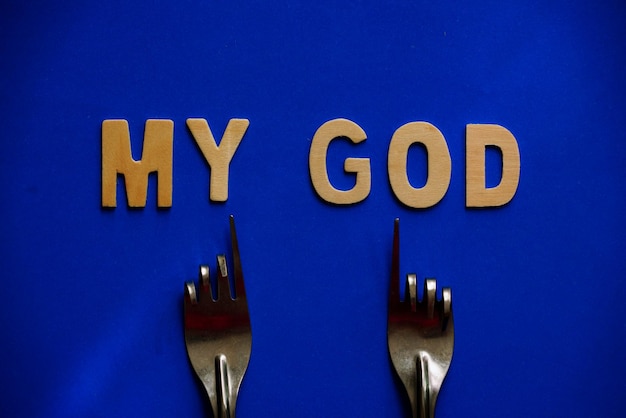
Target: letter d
column 478, row 137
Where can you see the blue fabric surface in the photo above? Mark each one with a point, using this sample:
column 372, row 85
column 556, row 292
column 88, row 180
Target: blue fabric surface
column 92, row 298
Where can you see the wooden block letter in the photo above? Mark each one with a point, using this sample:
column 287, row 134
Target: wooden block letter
column 330, row 130
column 156, row 157
column 218, row 157
column 478, row 137
column 439, row 164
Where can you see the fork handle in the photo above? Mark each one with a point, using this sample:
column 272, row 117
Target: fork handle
column 223, row 390
column 423, row 409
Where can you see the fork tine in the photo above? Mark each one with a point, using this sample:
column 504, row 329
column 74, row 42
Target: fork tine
column 190, row 293
column 223, row 287
column 446, row 296
column 410, row 292
column 430, row 297
column 394, row 289
column 240, row 290
column 205, row 281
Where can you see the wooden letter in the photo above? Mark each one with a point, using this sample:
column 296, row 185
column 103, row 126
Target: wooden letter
column 317, row 163
column 478, row 137
column 218, row 157
column 117, row 159
column 439, row 164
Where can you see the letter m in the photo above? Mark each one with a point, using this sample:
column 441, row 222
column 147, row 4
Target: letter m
column 156, row 157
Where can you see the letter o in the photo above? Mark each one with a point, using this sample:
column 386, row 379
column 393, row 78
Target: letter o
column 439, row 164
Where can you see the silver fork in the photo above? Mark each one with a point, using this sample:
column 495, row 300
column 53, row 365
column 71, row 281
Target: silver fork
column 218, row 335
column 420, row 336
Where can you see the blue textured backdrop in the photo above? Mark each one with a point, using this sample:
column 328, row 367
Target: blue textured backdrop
column 92, row 299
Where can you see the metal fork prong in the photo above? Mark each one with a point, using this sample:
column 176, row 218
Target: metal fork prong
column 394, row 289
column 205, row 281
column 190, row 293
column 240, row 290
column 223, row 287
column 446, row 297
column 410, row 293
column 430, row 297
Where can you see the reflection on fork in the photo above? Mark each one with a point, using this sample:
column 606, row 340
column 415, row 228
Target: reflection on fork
column 420, row 336
column 218, row 335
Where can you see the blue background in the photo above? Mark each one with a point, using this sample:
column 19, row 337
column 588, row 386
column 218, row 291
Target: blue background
column 91, row 310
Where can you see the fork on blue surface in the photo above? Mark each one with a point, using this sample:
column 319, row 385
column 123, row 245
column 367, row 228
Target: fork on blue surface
column 420, row 336
column 218, row 335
